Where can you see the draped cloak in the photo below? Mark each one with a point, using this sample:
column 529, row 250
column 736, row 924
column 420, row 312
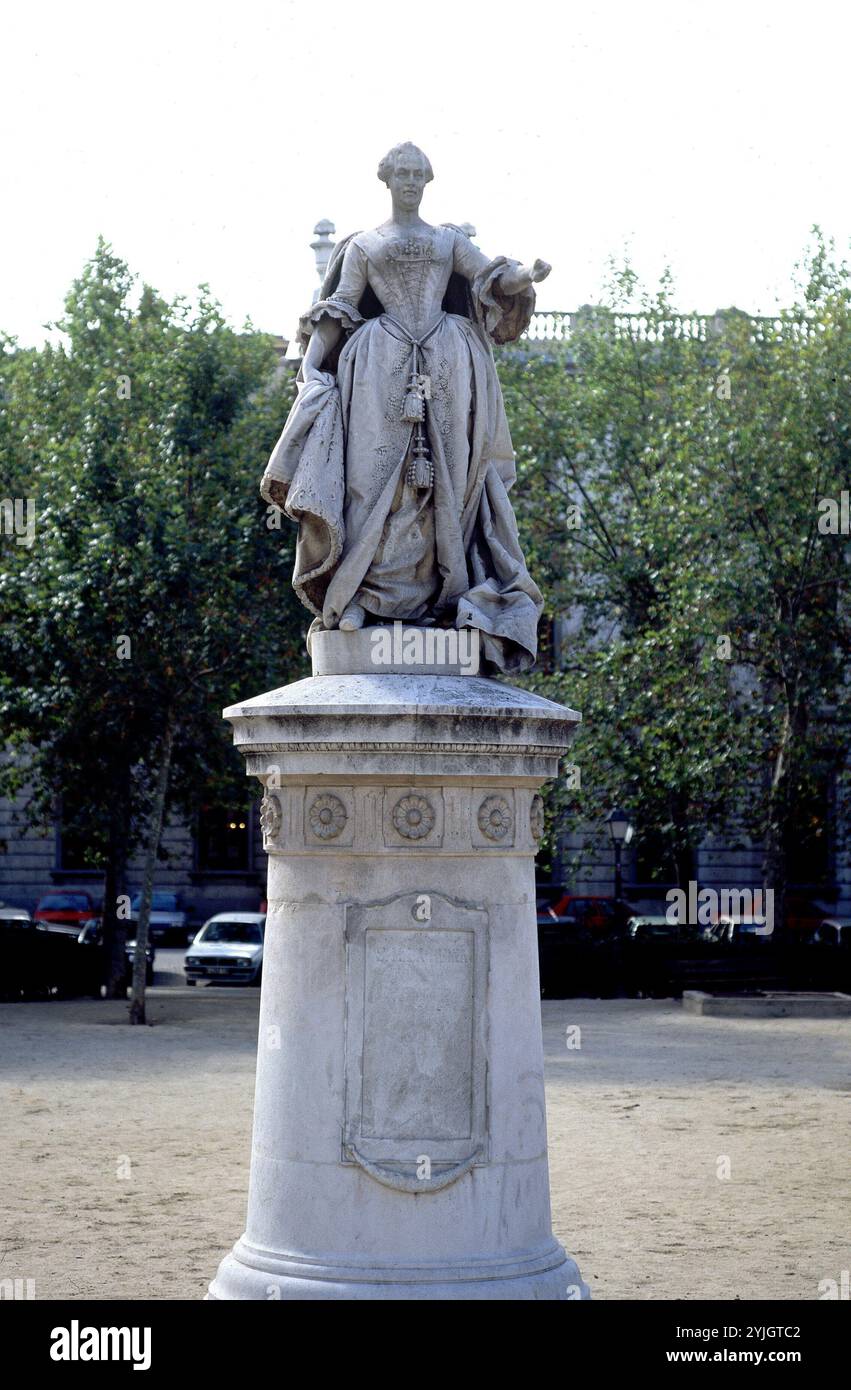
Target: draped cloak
column 450, row 553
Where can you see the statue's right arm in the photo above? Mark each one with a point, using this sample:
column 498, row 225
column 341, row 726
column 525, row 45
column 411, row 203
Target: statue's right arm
column 339, row 313
column 324, row 337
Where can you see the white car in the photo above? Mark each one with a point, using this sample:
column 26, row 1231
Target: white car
column 228, row 947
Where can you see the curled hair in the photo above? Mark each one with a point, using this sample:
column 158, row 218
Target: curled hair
column 388, row 163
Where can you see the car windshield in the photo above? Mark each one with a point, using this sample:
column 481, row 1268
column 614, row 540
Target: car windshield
column 64, row 902
column 160, row 902
column 241, row 933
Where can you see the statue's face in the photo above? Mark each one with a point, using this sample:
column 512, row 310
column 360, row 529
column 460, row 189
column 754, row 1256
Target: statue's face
column 408, row 180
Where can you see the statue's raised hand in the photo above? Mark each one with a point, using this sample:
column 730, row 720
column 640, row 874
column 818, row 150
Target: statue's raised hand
column 514, row 279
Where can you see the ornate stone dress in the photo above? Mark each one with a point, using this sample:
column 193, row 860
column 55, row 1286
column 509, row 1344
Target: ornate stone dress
column 398, row 463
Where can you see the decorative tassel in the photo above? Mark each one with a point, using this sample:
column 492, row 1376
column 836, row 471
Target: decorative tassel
column 420, row 473
column 413, row 410
column 420, row 470
column 418, row 392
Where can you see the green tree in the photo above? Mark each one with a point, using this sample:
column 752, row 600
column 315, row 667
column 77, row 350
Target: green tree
column 668, row 489
column 158, row 586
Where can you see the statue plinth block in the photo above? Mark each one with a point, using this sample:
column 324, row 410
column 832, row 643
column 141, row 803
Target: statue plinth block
column 399, row 1146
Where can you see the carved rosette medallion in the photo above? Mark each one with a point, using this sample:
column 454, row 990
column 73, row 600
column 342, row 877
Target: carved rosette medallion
column 495, row 817
column 327, row 816
column 270, row 817
column 413, row 817
column 536, row 817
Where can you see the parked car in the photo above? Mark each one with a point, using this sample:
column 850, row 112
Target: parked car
column 47, row 961
column 578, row 945
column 66, row 911
column 651, row 926
column 229, row 947
column 804, row 913
column 19, row 978
column 745, row 928
column 824, row 959
column 167, row 922
column 600, row 916
column 91, row 937
column 834, row 931
column 14, row 916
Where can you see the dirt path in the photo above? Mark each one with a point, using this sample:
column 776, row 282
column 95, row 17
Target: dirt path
column 125, row 1151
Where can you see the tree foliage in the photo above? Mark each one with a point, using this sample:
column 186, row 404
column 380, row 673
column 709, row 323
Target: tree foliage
column 157, row 589
column 669, row 490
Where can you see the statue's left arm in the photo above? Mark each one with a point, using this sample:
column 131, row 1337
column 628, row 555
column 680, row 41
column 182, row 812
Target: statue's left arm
column 501, row 288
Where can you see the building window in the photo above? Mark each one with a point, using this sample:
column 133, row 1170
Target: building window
column 224, row 840
column 653, row 863
column 73, row 848
column 809, row 851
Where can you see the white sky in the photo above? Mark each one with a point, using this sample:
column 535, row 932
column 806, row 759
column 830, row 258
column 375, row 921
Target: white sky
column 206, row 140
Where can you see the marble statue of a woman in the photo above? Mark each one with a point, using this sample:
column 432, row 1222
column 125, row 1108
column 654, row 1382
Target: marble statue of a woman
column 396, row 458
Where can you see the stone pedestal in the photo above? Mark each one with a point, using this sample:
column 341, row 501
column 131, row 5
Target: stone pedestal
column 399, row 1144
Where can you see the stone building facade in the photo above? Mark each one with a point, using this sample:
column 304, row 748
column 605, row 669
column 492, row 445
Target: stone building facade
column 217, row 864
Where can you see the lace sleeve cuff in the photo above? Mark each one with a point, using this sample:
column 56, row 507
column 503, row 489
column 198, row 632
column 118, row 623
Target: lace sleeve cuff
column 505, row 316
column 332, row 308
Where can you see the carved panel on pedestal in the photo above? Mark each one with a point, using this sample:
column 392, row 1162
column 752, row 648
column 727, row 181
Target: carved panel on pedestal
column 416, row 1028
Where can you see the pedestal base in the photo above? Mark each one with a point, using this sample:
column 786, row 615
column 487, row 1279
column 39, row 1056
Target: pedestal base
column 258, row 1274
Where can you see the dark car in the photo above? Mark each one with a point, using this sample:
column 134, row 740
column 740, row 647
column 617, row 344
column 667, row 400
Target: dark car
column 833, row 931
column 657, row 926
column 804, row 914
column 824, row 960
column 578, row 944
column 66, row 910
column 91, row 937
column 49, row 962
column 742, row 928
column 597, row 915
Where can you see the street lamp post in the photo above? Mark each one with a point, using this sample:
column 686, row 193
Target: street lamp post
column 620, row 829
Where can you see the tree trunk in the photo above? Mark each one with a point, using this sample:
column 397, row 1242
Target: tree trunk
column 114, row 928
column 684, row 866
column 137, row 994
column 682, row 847
column 774, row 852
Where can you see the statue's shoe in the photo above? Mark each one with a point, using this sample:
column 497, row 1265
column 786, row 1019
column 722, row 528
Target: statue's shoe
column 352, row 618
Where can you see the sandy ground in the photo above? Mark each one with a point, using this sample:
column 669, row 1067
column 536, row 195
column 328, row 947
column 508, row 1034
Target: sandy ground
column 125, row 1151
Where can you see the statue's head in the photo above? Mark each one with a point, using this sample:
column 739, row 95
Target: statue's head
column 406, row 171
